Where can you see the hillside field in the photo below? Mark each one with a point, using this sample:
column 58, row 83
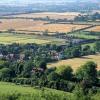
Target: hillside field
column 10, row 90
column 77, row 62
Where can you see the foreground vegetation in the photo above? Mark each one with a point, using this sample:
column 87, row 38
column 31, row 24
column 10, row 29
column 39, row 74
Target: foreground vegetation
column 9, row 91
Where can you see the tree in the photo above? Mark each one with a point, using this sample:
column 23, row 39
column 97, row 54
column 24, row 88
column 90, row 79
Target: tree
column 53, row 76
column 65, row 72
column 27, row 69
column 87, row 50
column 87, row 72
column 5, row 74
column 97, row 46
column 41, row 64
column 76, row 51
column 45, row 32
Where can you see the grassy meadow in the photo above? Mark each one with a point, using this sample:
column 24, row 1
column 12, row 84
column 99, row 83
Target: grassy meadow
column 10, row 91
column 18, row 92
column 8, row 38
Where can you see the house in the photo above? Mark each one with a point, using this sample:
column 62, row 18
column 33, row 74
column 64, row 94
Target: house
column 34, row 70
column 10, row 56
column 56, row 55
column 22, row 57
column 1, row 56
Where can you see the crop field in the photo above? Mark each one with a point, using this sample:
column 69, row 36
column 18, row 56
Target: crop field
column 77, row 62
column 62, row 28
column 67, row 15
column 31, row 26
column 94, row 29
column 18, row 24
column 8, row 38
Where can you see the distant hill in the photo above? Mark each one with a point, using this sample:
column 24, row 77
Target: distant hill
column 23, row 2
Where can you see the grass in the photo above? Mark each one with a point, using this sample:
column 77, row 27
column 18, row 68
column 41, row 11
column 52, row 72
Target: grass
column 84, row 35
column 10, row 91
column 8, row 38
column 30, row 93
column 89, row 44
column 77, row 62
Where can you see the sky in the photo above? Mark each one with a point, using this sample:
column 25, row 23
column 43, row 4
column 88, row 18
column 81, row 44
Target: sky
column 34, row 1
column 28, row 1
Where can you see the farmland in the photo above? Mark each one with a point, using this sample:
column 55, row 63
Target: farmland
column 95, row 29
column 49, row 50
column 8, row 38
column 36, row 27
column 84, row 35
column 68, row 15
column 77, row 62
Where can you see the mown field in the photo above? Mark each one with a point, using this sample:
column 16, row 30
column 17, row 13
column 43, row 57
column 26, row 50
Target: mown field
column 62, row 28
column 53, row 15
column 18, row 24
column 29, row 25
column 8, row 38
column 77, row 62
column 94, row 29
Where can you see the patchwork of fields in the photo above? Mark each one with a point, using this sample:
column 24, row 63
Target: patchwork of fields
column 77, row 62
column 31, row 26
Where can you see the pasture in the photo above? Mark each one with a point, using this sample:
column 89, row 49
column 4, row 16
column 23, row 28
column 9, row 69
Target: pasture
column 8, row 38
column 77, row 62
column 84, row 35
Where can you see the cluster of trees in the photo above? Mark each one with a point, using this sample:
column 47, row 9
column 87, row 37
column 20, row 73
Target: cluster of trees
column 62, row 78
column 51, row 20
column 94, row 17
column 46, row 52
column 78, row 51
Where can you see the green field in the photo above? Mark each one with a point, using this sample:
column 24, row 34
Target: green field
column 8, row 38
column 30, row 93
column 84, row 35
column 10, row 91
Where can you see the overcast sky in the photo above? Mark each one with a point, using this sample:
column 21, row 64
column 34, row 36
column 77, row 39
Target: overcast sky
column 34, row 1
column 30, row 1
